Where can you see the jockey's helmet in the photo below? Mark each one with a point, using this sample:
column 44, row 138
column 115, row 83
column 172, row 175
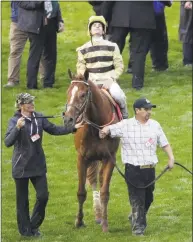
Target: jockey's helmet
column 97, row 19
column 23, row 98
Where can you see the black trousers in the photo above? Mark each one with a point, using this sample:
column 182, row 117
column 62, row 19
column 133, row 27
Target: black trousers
column 158, row 47
column 187, row 53
column 140, row 43
column 140, row 199
column 35, row 52
column 26, row 225
column 49, row 55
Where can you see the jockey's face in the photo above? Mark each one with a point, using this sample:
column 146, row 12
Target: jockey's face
column 97, row 29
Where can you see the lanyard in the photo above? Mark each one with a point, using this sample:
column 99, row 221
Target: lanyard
column 35, row 123
column 32, row 123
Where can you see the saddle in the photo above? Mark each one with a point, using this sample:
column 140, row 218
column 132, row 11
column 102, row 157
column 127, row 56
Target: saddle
column 113, row 102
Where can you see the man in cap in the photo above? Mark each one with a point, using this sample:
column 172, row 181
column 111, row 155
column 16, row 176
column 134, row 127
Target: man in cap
column 25, row 132
column 102, row 59
column 140, row 136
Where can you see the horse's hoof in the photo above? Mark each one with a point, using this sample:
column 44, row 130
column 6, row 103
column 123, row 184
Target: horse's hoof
column 79, row 224
column 98, row 220
column 105, row 229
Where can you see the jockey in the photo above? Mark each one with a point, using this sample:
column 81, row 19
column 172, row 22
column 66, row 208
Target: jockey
column 102, row 59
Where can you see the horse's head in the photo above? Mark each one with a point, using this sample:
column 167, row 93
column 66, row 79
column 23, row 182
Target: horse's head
column 77, row 98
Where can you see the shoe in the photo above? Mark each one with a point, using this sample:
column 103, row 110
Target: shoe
column 188, row 65
column 124, row 112
column 48, row 86
column 36, row 233
column 138, row 88
column 138, row 233
column 11, row 84
column 27, row 234
column 159, row 69
column 129, row 71
column 130, row 218
column 32, row 88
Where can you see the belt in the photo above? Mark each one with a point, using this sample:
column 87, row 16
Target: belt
column 147, row 166
column 101, row 69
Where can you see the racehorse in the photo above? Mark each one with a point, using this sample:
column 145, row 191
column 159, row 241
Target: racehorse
column 86, row 102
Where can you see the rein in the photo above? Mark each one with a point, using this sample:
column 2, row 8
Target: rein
column 99, row 126
column 157, row 178
column 49, row 116
column 152, row 182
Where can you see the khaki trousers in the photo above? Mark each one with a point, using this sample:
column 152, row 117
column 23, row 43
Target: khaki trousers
column 17, row 39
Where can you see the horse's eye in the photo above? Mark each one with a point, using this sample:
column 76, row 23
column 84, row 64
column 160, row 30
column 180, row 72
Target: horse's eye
column 83, row 95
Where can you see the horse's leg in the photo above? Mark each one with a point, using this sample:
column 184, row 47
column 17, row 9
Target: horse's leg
column 106, row 174
column 92, row 175
column 81, row 194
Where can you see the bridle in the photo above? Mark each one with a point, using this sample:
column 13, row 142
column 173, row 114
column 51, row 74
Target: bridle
column 83, row 108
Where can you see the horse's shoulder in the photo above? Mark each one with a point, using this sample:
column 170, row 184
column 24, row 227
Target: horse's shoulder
column 86, row 45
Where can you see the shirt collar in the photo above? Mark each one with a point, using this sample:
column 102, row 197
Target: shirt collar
column 97, row 38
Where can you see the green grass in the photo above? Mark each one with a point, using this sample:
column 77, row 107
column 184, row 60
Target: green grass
column 170, row 216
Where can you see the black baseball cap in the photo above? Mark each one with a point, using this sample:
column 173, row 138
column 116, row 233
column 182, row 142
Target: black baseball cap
column 143, row 103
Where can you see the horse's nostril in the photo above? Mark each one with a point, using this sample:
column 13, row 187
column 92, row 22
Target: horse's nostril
column 71, row 119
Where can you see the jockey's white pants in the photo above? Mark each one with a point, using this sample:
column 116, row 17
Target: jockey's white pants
column 118, row 94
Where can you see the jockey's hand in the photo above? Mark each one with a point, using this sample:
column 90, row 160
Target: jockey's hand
column 104, row 132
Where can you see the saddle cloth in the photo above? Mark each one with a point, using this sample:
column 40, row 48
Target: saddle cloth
column 117, row 108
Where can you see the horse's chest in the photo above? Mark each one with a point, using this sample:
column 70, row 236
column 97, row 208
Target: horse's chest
column 98, row 149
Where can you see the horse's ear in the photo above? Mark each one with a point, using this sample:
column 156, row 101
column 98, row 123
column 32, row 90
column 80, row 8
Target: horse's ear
column 86, row 75
column 70, row 74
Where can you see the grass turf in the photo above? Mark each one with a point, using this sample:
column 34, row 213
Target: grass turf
column 170, row 216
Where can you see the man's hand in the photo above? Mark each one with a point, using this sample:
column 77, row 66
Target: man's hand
column 20, row 122
column 104, row 132
column 188, row 5
column 171, row 163
column 61, row 27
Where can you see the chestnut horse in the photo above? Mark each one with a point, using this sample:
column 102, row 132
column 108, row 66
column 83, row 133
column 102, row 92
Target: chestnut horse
column 86, row 101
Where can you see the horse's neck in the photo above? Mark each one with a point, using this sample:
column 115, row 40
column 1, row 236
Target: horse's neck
column 99, row 106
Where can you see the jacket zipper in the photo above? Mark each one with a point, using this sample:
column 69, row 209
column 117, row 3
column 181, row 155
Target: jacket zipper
column 17, row 161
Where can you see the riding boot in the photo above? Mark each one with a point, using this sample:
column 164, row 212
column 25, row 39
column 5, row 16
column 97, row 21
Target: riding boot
column 124, row 112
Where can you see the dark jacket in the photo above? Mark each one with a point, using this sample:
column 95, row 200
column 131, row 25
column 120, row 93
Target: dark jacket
column 186, row 25
column 59, row 15
column 28, row 158
column 30, row 16
column 58, row 18
column 133, row 14
column 14, row 11
column 96, row 6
